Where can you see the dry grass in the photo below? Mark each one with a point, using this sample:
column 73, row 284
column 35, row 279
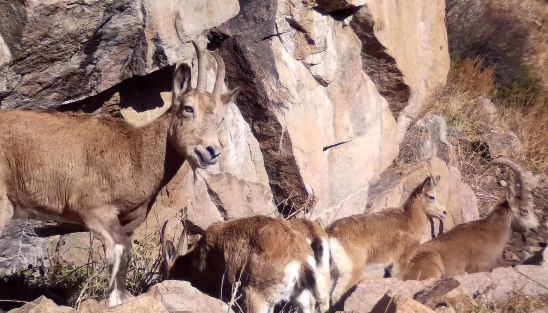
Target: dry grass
column 70, row 284
column 530, row 123
column 509, row 35
column 466, row 82
column 457, row 102
column 143, row 271
column 516, row 304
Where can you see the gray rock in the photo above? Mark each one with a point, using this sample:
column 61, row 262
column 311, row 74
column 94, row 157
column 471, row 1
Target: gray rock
column 62, row 51
column 20, row 247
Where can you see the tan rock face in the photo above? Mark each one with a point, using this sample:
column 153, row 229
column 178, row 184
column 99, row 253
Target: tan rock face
column 319, row 114
column 328, row 117
column 418, row 43
column 318, row 117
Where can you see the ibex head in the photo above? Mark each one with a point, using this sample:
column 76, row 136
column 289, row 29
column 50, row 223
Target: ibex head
column 428, row 196
column 198, row 114
column 171, row 254
column 524, row 218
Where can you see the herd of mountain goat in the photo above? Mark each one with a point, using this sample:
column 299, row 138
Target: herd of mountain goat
column 104, row 174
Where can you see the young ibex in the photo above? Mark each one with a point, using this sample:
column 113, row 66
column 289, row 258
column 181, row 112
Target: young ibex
column 317, row 238
column 477, row 246
column 385, row 238
column 103, row 173
column 268, row 258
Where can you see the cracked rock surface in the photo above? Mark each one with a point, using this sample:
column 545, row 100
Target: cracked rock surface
column 327, row 89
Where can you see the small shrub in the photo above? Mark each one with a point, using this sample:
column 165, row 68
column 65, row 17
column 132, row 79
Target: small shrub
column 68, row 284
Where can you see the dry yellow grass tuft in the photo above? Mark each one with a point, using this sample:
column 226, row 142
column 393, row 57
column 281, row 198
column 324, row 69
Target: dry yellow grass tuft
column 516, row 304
column 531, row 126
column 457, row 102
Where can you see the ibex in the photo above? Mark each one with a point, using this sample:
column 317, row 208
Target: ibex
column 269, row 260
column 385, row 238
column 477, row 246
column 317, row 238
column 103, row 173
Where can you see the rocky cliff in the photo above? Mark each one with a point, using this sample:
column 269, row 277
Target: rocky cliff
column 329, row 89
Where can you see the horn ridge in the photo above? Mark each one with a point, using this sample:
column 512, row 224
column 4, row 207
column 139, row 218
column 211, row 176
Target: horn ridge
column 201, row 85
column 219, row 79
column 526, row 181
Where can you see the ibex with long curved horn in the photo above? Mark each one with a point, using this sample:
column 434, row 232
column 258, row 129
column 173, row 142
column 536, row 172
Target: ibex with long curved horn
column 477, row 246
column 102, row 172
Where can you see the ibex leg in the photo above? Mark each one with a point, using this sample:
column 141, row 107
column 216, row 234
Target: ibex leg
column 104, row 223
column 6, row 209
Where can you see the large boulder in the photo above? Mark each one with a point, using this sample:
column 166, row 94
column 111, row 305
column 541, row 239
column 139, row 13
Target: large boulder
column 21, row 247
column 168, row 296
column 486, row 288
column 42, row 305
column 397, row 303
column 141, row 304
column 180, row 296
column 447, row 293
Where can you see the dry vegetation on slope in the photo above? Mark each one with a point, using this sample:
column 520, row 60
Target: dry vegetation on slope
column 498, row 51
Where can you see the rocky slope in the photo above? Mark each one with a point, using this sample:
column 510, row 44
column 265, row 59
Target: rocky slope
column 328, row 89
column 461, row 294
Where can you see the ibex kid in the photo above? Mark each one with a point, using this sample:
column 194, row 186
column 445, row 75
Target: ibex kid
column 385, row 238
column 269, row 259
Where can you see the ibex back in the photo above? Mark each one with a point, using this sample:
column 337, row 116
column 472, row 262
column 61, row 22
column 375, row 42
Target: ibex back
column 385, row 238
column 268, row 260
column 102, row 172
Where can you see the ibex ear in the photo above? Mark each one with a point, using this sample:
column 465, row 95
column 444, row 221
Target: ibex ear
column 169, row 251
column 428, row 183
column 436, row 179
column 230, row 96
column 181, row 81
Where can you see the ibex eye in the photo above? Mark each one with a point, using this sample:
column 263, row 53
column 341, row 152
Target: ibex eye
column 188, row 109
column 431, row 197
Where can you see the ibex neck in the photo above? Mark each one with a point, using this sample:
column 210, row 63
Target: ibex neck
column 500, row 222
column 159, row 159
column 416, row 216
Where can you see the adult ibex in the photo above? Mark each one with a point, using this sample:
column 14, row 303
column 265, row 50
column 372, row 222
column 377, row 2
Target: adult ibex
column 477, row 246
column 386, row 238
column 102, row 172
column 269, row 260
